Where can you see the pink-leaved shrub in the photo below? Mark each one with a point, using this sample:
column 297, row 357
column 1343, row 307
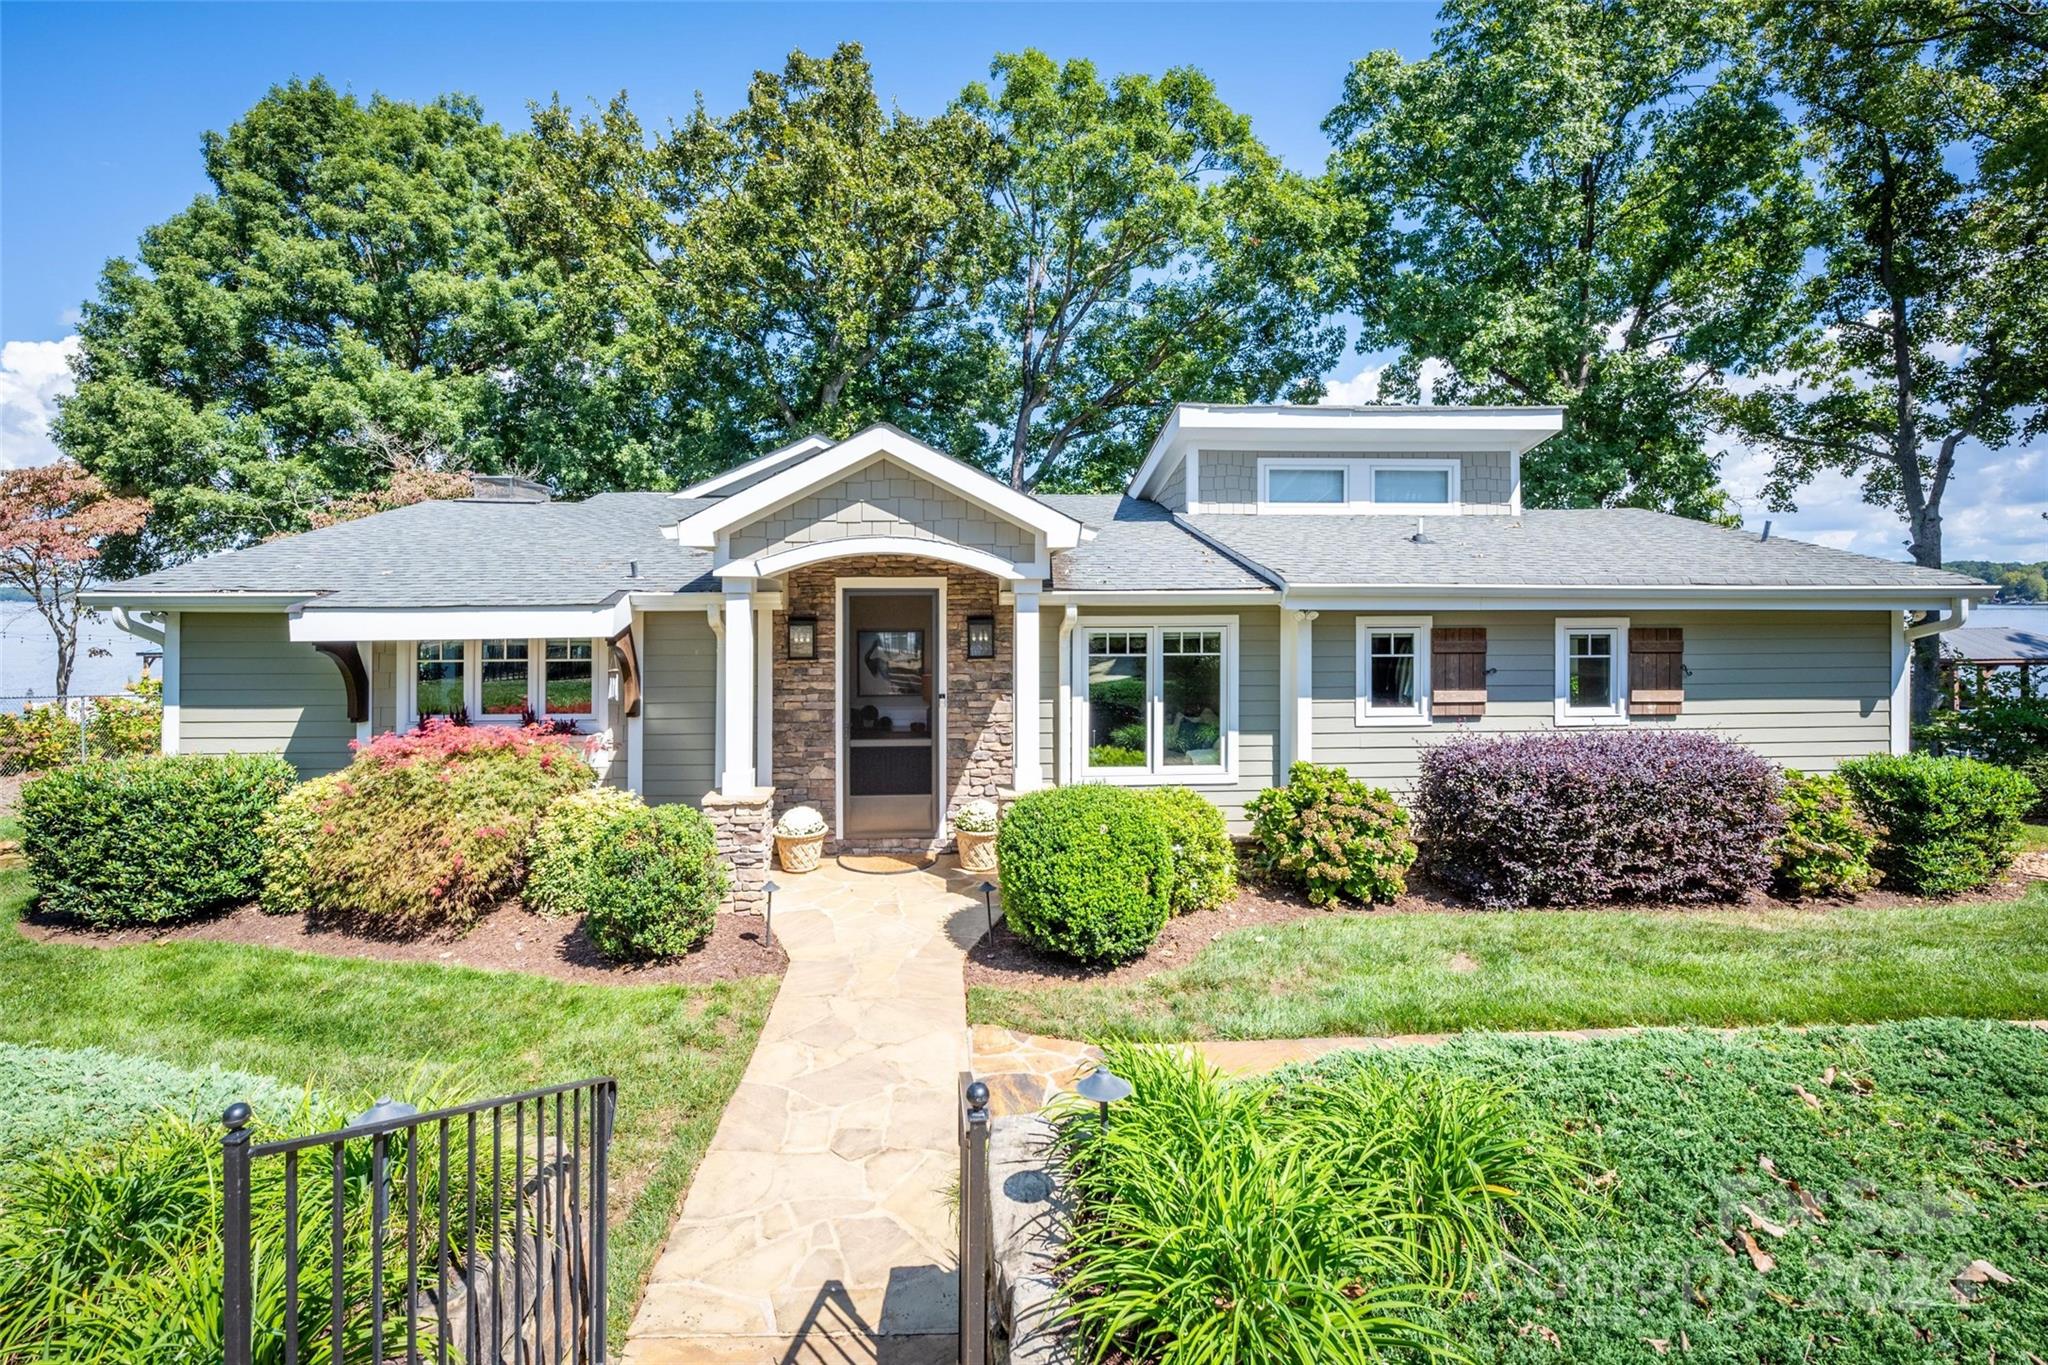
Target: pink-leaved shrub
column 1637, row 816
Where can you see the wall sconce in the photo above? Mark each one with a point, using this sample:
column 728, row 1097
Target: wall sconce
column 981, row 637
column 803, row 637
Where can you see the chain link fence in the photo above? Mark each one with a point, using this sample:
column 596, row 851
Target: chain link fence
column 40, row 733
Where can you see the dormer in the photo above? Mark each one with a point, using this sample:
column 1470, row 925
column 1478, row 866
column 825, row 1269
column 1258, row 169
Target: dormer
column 1401, row 461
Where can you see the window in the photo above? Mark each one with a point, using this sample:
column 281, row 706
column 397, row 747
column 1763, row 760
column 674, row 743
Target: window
column 1393, row 670
column 505, row 679
column 1311, row 485
column 438, row 679
column 1592, row 672
column 1157, row 702
column 1411, row 485
column 569, row 678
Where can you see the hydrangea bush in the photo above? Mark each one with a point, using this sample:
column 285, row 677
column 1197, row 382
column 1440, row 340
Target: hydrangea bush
column 1204, row 859
column 1825, row 849
column 1332, row 836
column 1643, row 816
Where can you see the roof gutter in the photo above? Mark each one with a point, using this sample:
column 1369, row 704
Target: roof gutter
column 226, row 600
column 1931, row 624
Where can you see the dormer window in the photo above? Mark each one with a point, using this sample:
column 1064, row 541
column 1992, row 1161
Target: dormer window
column 1305, row 485
column 1415, row 483
column 1353, row 484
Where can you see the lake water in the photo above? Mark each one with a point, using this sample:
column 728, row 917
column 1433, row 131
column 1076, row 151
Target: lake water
column 108, row 657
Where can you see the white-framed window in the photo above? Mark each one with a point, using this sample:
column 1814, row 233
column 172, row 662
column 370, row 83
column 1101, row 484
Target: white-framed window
column 1409, row 485
column 440, row 684
column 1310, row 485
column 504, row 693
column 1156, row 702
column 569, row 688
column 1592, row 670
column 1393, row 670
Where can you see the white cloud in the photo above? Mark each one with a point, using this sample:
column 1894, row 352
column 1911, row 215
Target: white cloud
column 1364, row 387
column 33, row 376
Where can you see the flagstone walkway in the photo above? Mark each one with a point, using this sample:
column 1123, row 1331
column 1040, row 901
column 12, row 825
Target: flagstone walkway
column 819, row 1226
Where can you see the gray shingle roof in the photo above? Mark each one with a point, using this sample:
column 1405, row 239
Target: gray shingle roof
column 1602, row 547
column 2006, row 640
column 473, row 554
column 1138, row 548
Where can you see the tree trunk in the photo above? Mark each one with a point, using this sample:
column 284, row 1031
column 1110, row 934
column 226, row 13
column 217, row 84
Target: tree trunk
column 1924, row 526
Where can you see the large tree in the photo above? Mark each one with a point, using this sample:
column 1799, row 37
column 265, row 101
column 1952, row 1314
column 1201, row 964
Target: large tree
column 56, row 521
column 1924, row 119
column 1151, row 252
column 807, row 262
column 349, row 267
column 1592, row 203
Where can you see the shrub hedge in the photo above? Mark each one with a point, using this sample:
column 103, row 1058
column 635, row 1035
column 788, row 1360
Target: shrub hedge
column 1204, row 861
column 651, row 882
column 1944, row 824
column 2011, row 731
column 1087, row 871
column 432, row 826
column 1625, row 815
column 288, row 832
column 1332, row 835
column 562, row 842
column 149, row 840
column 1825, row 849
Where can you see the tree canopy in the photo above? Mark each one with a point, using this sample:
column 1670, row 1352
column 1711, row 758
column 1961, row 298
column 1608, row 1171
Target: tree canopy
column 1593, row 203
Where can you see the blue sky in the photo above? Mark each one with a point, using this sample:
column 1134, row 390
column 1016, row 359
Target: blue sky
column 102, row 107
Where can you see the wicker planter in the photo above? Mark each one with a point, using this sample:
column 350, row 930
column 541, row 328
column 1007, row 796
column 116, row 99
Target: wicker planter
column 977, row 851
column 799, row 852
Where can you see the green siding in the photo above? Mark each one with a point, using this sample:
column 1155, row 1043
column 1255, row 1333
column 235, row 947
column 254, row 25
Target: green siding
column 678, row 706
column 245, row 687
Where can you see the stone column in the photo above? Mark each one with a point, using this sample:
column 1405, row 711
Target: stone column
column 743, row 824
column 1024, row 675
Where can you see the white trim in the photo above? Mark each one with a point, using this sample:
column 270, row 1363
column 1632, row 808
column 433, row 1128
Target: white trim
column 1617, row 712
column 859, row 582
column 764, row 694
column 1302, row 703
column 334, row 625
column 406, row 713
column 1416, row 717
column 781, row 455
column 1901, row 705
column 1422, row 597
column 1515, row 488
column 1290, row 688
column 736, row 663
column 1453, row 486
column 1063, row 713
column 1191, row 465
column 174, row 681
column 1155, row 773
column 716, row 615
column 782, row 561
column 147, row 600
column 368, row 652
column 1360, row 497
column 700, row 529
column 1024, row 666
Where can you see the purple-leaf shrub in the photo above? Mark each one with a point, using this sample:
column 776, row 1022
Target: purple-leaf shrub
column 1626, row 815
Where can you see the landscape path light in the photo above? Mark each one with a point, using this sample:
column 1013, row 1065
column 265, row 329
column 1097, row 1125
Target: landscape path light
column 1103, row 1087
column 988, row 905
column 385, row 1110
column 768, row 915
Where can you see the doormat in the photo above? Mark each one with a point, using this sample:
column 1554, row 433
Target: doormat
column 886, row 864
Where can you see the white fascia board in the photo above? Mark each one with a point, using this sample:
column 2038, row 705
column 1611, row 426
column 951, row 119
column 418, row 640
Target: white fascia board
column 460, row 623
column 196, row 601
column 1348, row 430
column 781, row 455
column 1519, row 597
column 701, row 529
column 782, row 561
column 676, row 601
column 1171, row 597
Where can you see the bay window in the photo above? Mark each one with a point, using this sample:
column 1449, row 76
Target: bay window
column 1158, row 702
column 1592, row 671
column 504, row 681
column 1393, row 670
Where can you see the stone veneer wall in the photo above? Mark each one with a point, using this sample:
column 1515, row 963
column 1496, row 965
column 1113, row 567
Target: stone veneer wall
column 979, row 696
column 742, row 828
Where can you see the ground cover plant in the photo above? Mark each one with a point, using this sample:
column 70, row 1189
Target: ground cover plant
column 430, row 827
column 89, row 1096
column 1086, row 871
column 1428, row 973
column 1845, row 1194
column 353, row 1026
column 1333, row 836
column 1646, row 817
column 149, row 840
column 1944, row 825
column 1326, row 1219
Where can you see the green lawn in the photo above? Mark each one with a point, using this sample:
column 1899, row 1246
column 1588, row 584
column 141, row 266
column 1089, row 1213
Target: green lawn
column 1345, row 974
column 351, row 1027
column 2034, row 838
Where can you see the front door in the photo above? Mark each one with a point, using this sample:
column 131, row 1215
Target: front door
column 890, row 709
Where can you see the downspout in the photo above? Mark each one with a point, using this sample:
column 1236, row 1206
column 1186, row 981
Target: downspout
column 1939, row 625
column 1904, row 634
column 1063, row 723
column 136, row 626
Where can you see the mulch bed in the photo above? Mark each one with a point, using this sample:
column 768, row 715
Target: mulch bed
column 509, row 938
column 1004, row 959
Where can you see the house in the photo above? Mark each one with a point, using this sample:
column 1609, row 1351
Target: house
column 873, row 628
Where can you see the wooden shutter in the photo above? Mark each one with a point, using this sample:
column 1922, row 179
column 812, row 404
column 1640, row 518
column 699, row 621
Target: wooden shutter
column 1457, row 672
column 1656, row 670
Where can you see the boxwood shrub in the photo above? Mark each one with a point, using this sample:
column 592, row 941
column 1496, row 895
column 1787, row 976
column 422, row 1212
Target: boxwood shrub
column 562, row 844
column 651, row 882
column 432, row 827
column 1087, row 871
column 1204, row 859
column 150, row 840
column 1944, row 824
column 1332, row 835
column 1825, row 849
column 1642, row 816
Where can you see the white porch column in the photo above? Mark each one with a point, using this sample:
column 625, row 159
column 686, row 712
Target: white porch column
column 736, row 664
column 1303, row 699
column 1024, row 685
column 764, row 695
column 173, row 681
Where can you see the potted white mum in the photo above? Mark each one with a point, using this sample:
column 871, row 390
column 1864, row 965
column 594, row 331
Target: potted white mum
column 799, row 839
column 974, row 826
